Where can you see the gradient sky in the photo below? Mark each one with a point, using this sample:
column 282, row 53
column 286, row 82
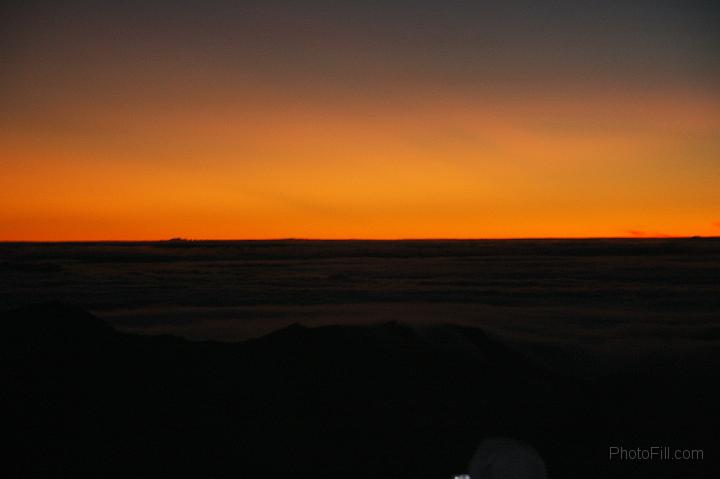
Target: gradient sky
column 335, row 119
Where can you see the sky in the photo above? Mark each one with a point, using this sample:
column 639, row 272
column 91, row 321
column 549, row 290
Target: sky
column 133, row 120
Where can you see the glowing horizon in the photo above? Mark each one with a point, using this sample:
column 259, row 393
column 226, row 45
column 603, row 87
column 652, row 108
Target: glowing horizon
column 143, row 122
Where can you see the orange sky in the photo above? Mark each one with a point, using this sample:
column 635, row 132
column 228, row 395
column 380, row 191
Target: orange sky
column 130, row 149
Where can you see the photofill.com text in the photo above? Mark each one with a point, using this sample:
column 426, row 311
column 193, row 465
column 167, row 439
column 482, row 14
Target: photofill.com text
column 655, row 453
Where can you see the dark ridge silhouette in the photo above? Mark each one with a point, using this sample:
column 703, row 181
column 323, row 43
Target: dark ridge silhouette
column 381, row 401
column 55, row 324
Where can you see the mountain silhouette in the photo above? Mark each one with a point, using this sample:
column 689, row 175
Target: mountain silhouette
column 385, row 400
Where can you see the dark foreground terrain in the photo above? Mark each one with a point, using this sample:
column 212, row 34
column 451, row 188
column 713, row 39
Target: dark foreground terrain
column 358, row 359
column 375, row 401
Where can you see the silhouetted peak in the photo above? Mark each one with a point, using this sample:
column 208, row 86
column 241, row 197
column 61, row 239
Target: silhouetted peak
column 392, row 326
column 55, row 321
column 392, row 336
column 289, row 331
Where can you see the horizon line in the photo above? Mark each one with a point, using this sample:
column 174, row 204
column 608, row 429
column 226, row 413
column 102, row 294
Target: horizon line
column 207, row 240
